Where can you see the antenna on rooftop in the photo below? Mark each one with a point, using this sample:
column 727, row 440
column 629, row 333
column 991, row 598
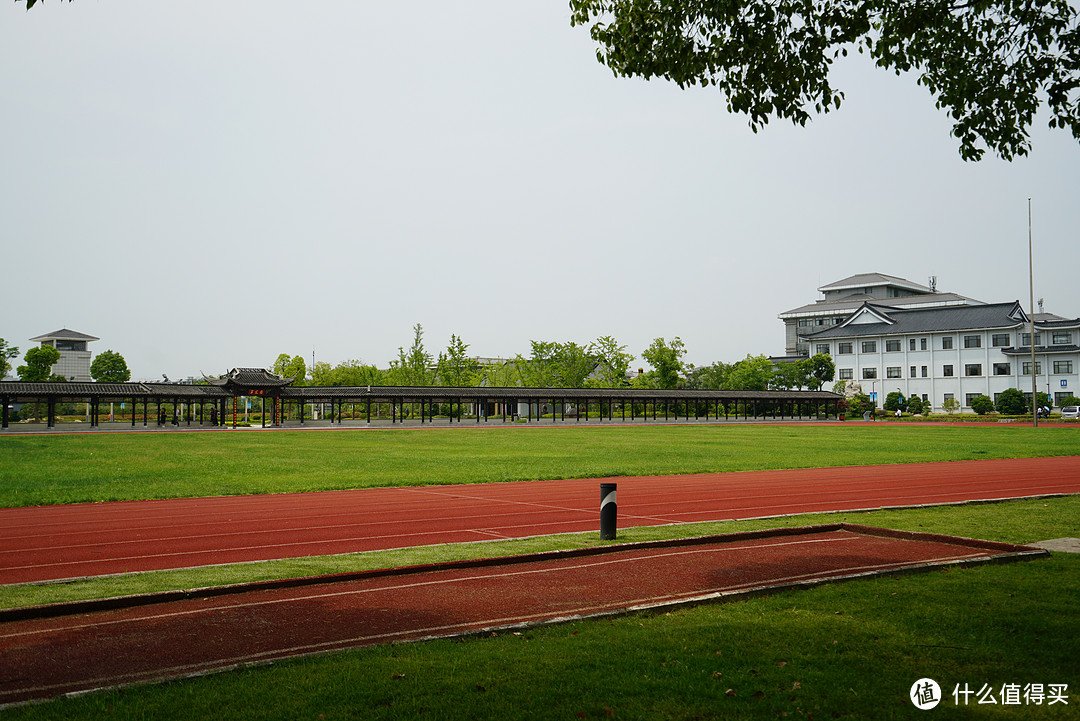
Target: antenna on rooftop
column 933, row 284
column 1040, row 305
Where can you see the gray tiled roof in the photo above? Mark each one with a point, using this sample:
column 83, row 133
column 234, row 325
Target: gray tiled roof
column 850, row 303
column 871, row 279
column 929, row 320
column 64, row 334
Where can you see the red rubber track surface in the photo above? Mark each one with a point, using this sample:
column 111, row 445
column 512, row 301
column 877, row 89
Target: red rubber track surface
column 57, row 542
column 45, row 657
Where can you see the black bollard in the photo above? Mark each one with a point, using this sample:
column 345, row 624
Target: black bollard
column 608, row 512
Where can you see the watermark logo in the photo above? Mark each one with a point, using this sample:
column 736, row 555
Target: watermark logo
column 925, row 694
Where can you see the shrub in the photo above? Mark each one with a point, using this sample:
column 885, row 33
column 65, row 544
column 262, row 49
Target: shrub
column 894, row 401
column 1012, row 402
column 860, row 403
column 982, row 405
column 915, row 405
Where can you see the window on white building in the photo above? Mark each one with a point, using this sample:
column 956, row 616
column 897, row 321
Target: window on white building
column 946, row 371
column 946, row 342
column 1063, row 366
column 892, row 345
column 892, row 372
column 869, row 373
column 1062, row 338
column 973, row 369
column 1026, row 368
column 823, row 348
column 1000, row 340
column 1002, row 369
column 973, row 341
column 846, row 374
column 843, row 348
column 869, row 346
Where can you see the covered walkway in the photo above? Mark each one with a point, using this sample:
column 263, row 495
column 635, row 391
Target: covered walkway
column 280, row 403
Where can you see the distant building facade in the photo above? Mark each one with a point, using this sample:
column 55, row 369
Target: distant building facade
column 74, row 363
column 939, row 346
column 842, row 298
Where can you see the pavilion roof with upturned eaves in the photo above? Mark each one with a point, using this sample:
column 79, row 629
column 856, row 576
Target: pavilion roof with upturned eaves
column 253, row 381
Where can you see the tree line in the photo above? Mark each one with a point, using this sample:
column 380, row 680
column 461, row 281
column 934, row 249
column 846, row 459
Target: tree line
column 602, row 363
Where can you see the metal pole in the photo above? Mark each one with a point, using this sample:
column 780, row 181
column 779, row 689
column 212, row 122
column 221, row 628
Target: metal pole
column 1031, row 288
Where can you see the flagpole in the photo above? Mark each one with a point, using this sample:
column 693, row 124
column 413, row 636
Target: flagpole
column 1031, row 288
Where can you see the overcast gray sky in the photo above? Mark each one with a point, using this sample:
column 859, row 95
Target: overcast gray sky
column 207, row 185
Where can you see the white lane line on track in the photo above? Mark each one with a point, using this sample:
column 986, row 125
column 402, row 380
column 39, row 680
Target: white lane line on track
column 445, row 581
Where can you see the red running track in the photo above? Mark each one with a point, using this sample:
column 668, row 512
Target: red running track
column 58, row 542
column 41, row 657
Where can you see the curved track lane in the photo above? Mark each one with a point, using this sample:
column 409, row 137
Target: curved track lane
column 58, row 542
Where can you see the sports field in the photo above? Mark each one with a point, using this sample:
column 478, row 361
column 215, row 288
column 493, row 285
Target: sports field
column 843, row 651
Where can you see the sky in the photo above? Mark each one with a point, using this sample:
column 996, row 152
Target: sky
column 205, row 186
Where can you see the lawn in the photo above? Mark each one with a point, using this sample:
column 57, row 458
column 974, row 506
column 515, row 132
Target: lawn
column 72, row 468
column 849, row 650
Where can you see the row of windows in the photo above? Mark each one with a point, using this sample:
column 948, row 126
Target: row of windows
column 894, row 345
column 805, row 322
column 971, row 370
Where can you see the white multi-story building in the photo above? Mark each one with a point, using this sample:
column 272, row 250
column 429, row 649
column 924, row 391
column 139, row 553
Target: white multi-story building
column 840, row 299
column 950, row 350
column 74, row 363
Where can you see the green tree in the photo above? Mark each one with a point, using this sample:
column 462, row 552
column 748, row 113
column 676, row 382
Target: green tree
column 556, row 365
column 110, row 367
column 455, row 367
column 1070, row 401
column 710, row 377
column 895, row 401
column 288, row 366
column 666, row 360
column 1011, row 402
column 950, row 405
column 39, row 363
column 536, row 370
column 322, row 374
column 982, row 405
column 500, row 374
column 821, row 369
column 415, row 367
column 989, row 64
column 611, row 362
column 790, row 375
column 6, row 352
column 571, row 365
column 753, row 373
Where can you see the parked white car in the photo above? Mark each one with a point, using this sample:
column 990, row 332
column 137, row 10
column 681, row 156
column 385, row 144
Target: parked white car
column 1070, row 412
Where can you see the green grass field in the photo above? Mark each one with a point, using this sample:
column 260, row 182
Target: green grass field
column 109, row 467
column 849, row 650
